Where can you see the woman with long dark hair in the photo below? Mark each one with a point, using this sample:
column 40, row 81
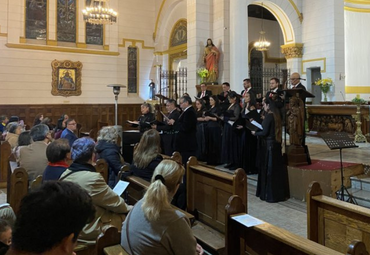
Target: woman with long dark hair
column 200, row 109
column 272, row 183
column 213, row 132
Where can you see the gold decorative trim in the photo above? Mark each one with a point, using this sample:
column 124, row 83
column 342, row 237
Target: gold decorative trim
column 22, row 40
column 81, row 45
column 357, row 1
column 280, row 22
column 61, row 49
column 157, row 20
column 314, row 60
column 105, row 47
column 357, row 89
column 52, row 43
column 3, row 34
column 353, row 9
column 300, row 16
column 134, row 42
column 70, row 83
column 292, row 50
column 172, row 50
column 173, row 30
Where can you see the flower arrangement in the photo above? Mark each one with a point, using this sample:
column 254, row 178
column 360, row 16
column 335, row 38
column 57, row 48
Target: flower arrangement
column 203, row 73
column 325, row 85
column 358, row 100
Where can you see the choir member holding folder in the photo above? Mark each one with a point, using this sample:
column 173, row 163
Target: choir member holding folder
column 145, row 120
column 272, row 183
column 230, row 138
column 248, row 141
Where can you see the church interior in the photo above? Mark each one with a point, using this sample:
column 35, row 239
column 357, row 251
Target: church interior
column 57, row 57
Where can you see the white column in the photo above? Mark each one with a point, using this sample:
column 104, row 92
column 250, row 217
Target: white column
column 357, row 51
column 238, row 42
column 15, row 20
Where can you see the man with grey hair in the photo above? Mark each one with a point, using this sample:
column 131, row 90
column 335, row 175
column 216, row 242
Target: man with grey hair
column 33, row 157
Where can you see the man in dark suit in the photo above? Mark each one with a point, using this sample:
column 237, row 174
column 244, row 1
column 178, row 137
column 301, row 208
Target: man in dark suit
column 275, row 94
column 203, row 91
column 186, row 129
column 223, row 96
column 167, row 131
column 247, row 88
column 295, row 80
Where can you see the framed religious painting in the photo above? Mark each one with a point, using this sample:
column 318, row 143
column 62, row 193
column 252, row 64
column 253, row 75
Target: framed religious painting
column 66, row 78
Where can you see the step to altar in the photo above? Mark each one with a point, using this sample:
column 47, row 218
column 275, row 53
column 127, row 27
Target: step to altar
column 362, row 197
column 327, row 173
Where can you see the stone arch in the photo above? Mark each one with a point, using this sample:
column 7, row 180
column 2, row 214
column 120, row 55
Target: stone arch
column 290, row 25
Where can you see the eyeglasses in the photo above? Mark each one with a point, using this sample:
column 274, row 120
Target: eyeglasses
column 72, row 124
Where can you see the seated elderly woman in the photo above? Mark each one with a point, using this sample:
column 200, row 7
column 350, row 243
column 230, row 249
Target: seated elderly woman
column 108, row 150
column 110, row 208
column 59, row 155
column 14, row 129
column 147, row 155
column 153, row 226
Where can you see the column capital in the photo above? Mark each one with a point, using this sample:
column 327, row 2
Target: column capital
column 292, row 50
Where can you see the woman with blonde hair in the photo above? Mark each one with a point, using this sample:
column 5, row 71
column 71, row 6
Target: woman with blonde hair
column 147, row 155
column 154, row 227
column 107, row 149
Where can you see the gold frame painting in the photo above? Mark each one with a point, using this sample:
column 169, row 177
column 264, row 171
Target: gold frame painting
column 66, row 78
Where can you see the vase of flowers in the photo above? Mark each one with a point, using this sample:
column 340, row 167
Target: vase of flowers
column 203, row 73
column 325, row 85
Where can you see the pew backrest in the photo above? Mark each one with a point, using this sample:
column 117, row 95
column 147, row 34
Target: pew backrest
column 109, row 238
column 208, row 191
column 18, row 187
column 5, row 153
column 102, row 168
column 269, row 239
column 335, row 223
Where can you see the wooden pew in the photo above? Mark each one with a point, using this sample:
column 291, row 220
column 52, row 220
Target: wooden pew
column 5, row 152
column 208, row 191
column 109, row 242
column 272, row 240
column 101, row 166
column 335, row 223
column 36, row 182
column 18, row 187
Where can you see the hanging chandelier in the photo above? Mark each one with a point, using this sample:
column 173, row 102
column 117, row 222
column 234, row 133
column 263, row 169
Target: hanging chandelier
column 99, row 13
column 262, row 44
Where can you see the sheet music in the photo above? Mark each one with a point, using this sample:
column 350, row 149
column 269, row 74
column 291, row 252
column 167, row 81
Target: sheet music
column 255, row 123
column 247, row 220
column 133, row 122
column 231, row 122
column 120, row 187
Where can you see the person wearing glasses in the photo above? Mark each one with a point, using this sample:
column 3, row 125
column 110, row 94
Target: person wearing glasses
column 68, row 133
column 295, row 80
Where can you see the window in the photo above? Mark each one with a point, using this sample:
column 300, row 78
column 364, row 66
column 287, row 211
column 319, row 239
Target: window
column 36, row 19
column 66, row 20
column 132, row 69
column 94, row 33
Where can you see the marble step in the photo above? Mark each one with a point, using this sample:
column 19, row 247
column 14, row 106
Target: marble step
column 361, row 182
column 362, row 197
column 252, row 180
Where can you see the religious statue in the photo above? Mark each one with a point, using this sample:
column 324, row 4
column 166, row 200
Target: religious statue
column 211, row 57
column 295, row 121
column 151, row 90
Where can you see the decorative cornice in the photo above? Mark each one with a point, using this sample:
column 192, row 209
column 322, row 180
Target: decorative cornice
column 134, row 42
column 292, row 50
column 300, row 15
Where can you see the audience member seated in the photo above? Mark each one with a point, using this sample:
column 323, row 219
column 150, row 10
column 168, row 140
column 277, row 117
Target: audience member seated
column 147, row 155
column 108, row 150
column 33, row 157
column 47, row 122
column 61, row 125
column 24, row 139
column 58, row 154
column 12, row 135
column 7, row 213
column 68, row 132
column 153, row 226
column 5, row 236
column 14, row 119
column 3, row 122
column 38, row 119
column 110, row 207
column 50, row 219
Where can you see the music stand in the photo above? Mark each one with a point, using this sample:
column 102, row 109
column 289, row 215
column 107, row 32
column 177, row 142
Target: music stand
column 340, row 140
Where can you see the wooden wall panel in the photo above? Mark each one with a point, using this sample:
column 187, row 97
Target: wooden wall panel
column 85, row 114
